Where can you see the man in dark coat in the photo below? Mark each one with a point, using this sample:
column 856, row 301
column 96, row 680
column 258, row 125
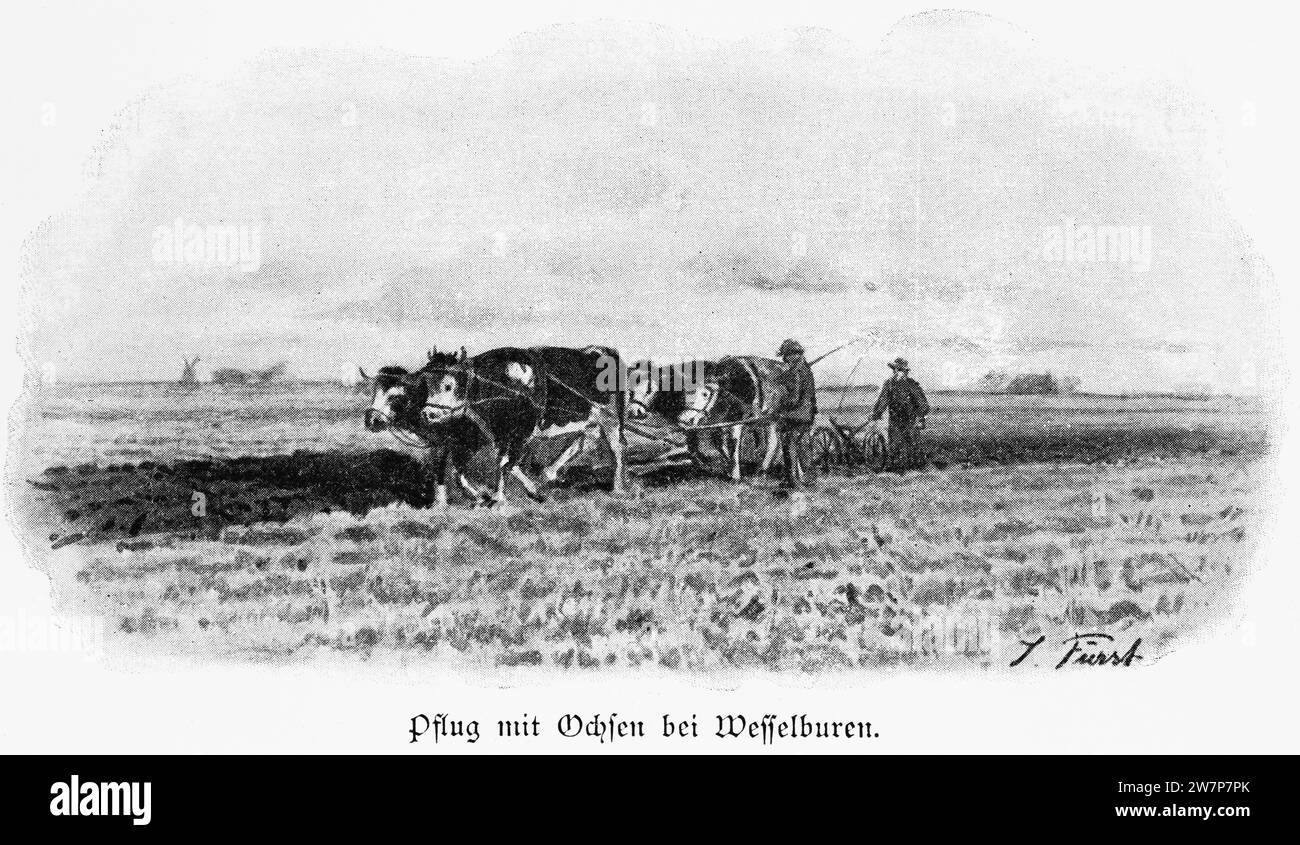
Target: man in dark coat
column 907, row 406
column 795, row 417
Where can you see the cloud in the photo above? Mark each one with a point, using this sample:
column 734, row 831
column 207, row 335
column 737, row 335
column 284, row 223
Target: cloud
column 1033, row 345
column 914, row 288
column 766, row 272
column 639, row 187
column 956, row 343
column 1169, row 346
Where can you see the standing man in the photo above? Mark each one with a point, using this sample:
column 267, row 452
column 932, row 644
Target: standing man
column 795, row 417
column 907, row 406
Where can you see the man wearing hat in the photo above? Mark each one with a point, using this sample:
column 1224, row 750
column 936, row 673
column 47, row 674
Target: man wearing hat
column 795, row 417
column 907, row 406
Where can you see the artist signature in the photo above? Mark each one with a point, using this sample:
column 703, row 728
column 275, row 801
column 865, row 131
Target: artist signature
column 1087, row 650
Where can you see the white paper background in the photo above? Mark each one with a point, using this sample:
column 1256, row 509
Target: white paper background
column 1233, row 691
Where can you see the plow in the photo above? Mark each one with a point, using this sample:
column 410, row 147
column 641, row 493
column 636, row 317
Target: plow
column 835, row 443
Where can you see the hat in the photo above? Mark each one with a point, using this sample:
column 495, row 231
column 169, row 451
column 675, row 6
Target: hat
column 790, row 347
column 899, row 364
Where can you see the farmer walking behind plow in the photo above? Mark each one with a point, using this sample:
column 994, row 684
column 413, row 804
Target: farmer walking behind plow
column 903, row 397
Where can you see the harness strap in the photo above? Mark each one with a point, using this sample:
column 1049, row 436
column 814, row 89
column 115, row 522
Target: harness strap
column 575, row 392
column 760, row 397
column 409, row 438
column 543, row 383
column 650, row 433
column 476, row 418
column 746, row 421
column 721, row 393
column 474, row 374
column 473, row 377
column 417, row 440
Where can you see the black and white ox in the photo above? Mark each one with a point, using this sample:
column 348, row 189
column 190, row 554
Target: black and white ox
column 741, row 387
column 510, row 396
column 661, row 390
column 397, row 405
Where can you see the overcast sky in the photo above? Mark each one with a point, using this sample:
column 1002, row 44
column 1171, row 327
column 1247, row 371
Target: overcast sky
column 936, row 196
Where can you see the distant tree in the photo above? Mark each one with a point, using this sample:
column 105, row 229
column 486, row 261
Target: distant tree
column 1027, row 384
column 272, row 373
column 994, row 381
column 1033, row 384
column 229, row 375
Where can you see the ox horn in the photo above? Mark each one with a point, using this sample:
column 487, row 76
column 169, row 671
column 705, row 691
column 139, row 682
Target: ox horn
column 363, row 374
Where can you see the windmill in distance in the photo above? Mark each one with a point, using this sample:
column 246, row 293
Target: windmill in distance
column 189, row 376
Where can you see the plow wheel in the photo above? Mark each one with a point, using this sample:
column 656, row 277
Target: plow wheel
column 876, row 450
column 827, row 448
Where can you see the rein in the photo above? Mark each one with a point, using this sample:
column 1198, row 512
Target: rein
column 650, row 432
column 746, row 421
column 405, row 436
column 718, row 392
column 409, row 437
column 575, row 392
column 473, row 375
column 732, row 402
column 412, row 438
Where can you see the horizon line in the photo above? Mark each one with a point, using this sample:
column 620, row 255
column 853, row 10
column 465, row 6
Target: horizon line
column 1172, row 393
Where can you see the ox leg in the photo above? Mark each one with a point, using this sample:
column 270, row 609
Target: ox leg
column 614, row 439
column 515, row 454
column 773, row 443
column 534, row 492
column 459, row 460
column 588, row 429
column 500, row 495
column 478, row 494
column 437, row 470
column 736, row 432
column 552, row 472
column 693, row 450
column 718, row 440
column 721, row 443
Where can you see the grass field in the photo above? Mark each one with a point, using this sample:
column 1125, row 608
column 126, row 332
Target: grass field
column 1130, row 518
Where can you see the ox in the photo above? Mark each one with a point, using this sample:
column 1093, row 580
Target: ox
column 513, row 395
column 662, row 391
column 741, row 387
column 397, row 405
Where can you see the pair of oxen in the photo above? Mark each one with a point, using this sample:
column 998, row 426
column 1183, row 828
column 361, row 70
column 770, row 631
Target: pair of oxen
column 504, row 399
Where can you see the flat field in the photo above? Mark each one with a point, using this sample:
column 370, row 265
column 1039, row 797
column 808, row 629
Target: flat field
column 1130, row 519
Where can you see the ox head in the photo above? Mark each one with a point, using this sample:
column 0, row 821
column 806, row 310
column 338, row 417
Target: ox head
column 395, row 399
column 701, row 399
column 641, row 388
column 446, row 378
